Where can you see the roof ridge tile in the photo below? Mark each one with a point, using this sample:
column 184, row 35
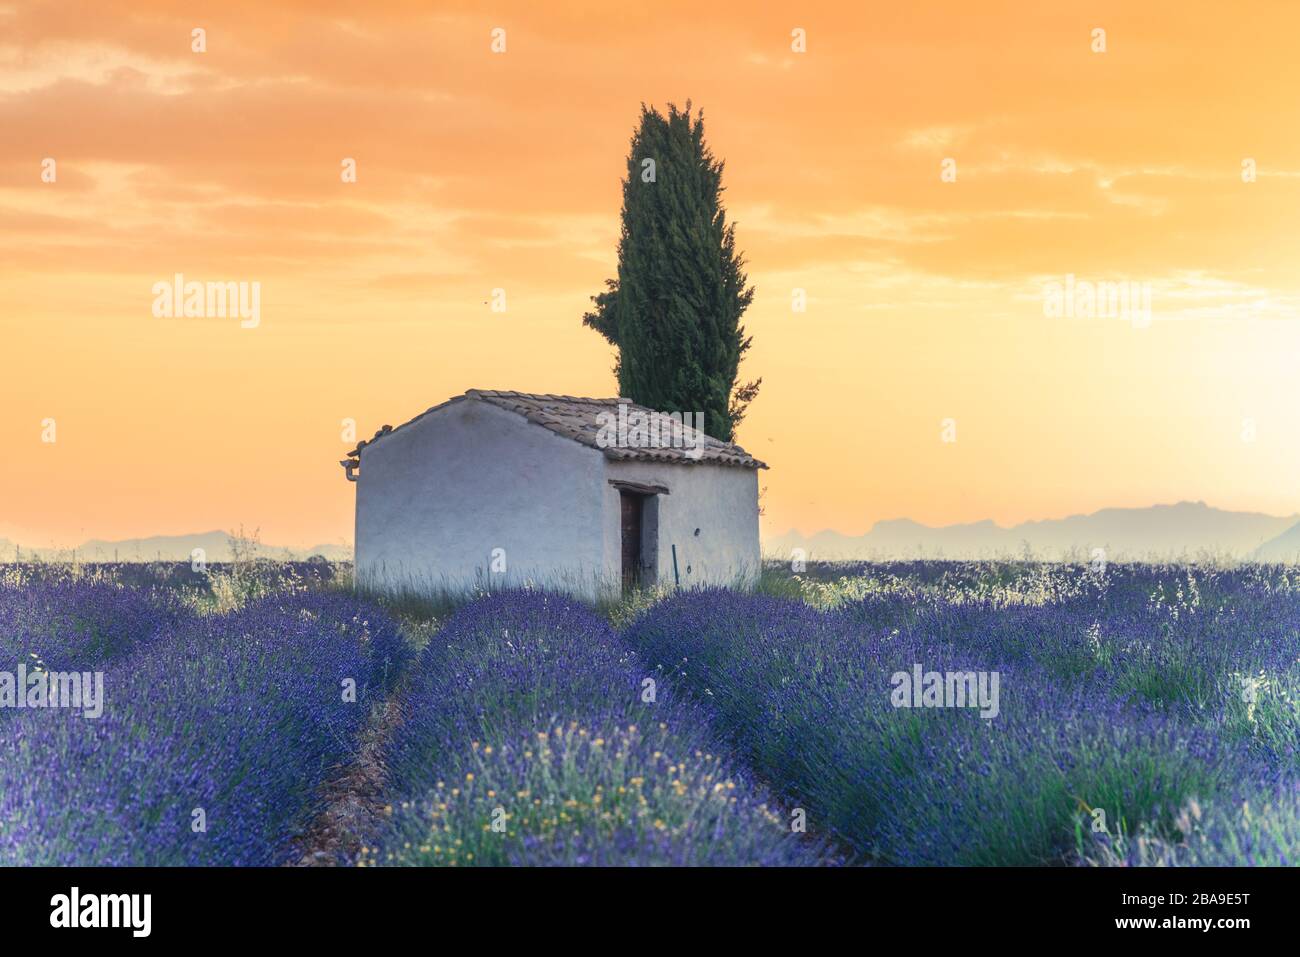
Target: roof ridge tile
column 577, row 423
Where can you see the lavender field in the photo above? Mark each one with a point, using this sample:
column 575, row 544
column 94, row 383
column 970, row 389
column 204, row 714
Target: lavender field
column 1126, row 715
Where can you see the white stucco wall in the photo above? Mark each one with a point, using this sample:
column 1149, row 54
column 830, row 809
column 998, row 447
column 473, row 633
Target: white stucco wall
column 436, row 496
column 721, row 501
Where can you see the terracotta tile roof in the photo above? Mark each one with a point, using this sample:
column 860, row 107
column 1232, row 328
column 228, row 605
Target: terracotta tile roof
column 580, row 419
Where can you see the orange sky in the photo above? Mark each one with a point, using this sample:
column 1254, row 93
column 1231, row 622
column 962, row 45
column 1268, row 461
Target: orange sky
column 479, row 170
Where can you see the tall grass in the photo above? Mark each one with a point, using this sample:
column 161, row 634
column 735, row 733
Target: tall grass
column 1261, row 831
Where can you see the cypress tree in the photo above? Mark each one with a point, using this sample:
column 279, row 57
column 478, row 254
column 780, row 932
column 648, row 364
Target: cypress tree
column 674, row 311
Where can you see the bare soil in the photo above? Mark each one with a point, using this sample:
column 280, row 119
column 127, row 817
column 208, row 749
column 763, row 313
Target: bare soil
column 353, row 799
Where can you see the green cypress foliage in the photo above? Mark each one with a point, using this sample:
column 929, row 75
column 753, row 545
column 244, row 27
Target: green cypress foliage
column 674, row 311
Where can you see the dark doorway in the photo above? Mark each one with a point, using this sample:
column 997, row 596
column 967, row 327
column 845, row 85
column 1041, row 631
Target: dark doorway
column 630, row 524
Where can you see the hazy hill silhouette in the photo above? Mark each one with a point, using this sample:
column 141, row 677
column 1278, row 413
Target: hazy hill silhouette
column 217, row 547
column 1180, row 531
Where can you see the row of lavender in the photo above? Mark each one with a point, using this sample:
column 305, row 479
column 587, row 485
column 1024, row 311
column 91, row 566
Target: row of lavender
column 1133, row 702
column 1144, row 714
column 533, row 736
column 215, row 732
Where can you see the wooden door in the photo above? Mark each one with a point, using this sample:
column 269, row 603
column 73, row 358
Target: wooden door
column 631, row 529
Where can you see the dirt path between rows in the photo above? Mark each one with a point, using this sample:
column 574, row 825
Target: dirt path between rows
column 354, row 802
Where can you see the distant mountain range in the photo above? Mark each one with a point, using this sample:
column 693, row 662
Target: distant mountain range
column 217, row 547
column 1182, row 531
